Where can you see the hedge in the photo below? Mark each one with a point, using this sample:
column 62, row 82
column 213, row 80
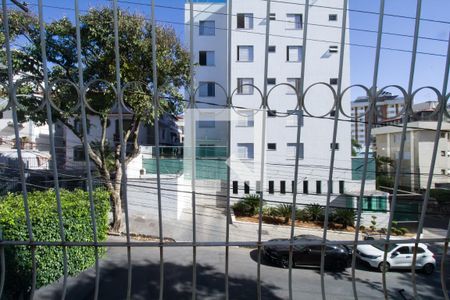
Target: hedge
column 45, row 225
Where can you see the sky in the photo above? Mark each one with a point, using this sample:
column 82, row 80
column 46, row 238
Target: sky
column 394, row 67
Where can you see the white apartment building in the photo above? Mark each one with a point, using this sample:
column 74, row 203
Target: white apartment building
column 210, row 50
column 388, row 106
column 419, row 144
column 34, row 140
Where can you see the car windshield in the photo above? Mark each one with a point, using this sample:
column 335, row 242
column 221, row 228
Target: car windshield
column 381, row 247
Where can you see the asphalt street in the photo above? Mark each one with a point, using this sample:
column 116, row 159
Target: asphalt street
column 242, row 281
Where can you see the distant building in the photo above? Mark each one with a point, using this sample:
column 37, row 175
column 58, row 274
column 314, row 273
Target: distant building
column 388, row 106
column 34, row 142
column 70, row 151
column 419, row 144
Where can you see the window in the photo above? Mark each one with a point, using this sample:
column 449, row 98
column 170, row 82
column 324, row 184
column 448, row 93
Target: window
column 245, row 150
column 245, row 21
column 245, row 86
column 332, row 113
column 235, row 187
column 294, row 53
column 207, row 28
column 271, row 113
column 271, row 146
column 341, row 186
column 419, row 250
column 79, row 127
column 332, row 17
column 333, row 49
column 294, row 119
column 283, row 187
column 78, row 153
column 272, row 49
column 333, row 81
column 336, row 146
column 305, row 187
column 403, row 250
column 291, row 151
column 442, row 171
column 245, row 53
column 271, row 187
column 271, row 81
column 207, row 89
column 206, row 58
column 207, row 120
column 295, row 82
column 318, row 187
column 442, row 153
column 247, row 187
column 272, row 16
column 293, row 186
column 245, row 118
column 294, row 21
column 374, row 203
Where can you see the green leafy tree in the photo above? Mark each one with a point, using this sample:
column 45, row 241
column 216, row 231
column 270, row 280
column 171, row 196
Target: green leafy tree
column 356, row 147
column 98, row 59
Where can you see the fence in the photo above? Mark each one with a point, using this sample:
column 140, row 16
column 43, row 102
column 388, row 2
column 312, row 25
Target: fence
column 81, row 108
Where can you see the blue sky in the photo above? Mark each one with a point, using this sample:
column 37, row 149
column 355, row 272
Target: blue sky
column 394, row 65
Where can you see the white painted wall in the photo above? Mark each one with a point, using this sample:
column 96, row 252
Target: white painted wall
column 316, row 133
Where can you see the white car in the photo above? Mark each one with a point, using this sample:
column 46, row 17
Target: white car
column 399, row 256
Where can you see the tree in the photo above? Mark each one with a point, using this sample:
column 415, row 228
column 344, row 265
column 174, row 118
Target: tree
column 356, row 147
column 384, row 167
column 98, row 57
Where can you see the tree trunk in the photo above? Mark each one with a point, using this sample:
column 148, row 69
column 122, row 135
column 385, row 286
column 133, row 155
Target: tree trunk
column 117, row 210
column 117, row 199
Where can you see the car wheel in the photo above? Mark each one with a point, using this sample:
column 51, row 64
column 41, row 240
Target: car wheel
column 428, row 269
column 285, row 262
column 382, row 266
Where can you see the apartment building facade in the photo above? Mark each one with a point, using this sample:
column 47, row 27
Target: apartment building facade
column 388, row 107
column 419, row 142
column 283, row 117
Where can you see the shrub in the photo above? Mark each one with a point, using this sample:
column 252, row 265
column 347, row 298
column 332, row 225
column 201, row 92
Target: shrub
column 315, row 212
column 302, row 215
column 373, row 222
column 270, row 211
column 344, row 216
column 285, row 211
column 247, row 207
column 45, row 225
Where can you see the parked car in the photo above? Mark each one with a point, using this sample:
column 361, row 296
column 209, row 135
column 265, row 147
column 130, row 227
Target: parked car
column 399, row 256
column 337, row 257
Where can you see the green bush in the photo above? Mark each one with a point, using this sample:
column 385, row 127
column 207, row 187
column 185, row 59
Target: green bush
column 302, row 215
column 344, row 216
column 315, row 212
column 285, row 211
column 45, row 225
column 270, row 211
column 247, row 207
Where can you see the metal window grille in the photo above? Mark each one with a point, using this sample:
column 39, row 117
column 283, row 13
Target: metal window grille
column 294, row 53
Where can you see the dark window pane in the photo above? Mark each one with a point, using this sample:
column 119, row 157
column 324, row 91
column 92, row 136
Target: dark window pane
column 235, row 187
column 283, row 187
column 247, row 187
column 271, row 187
